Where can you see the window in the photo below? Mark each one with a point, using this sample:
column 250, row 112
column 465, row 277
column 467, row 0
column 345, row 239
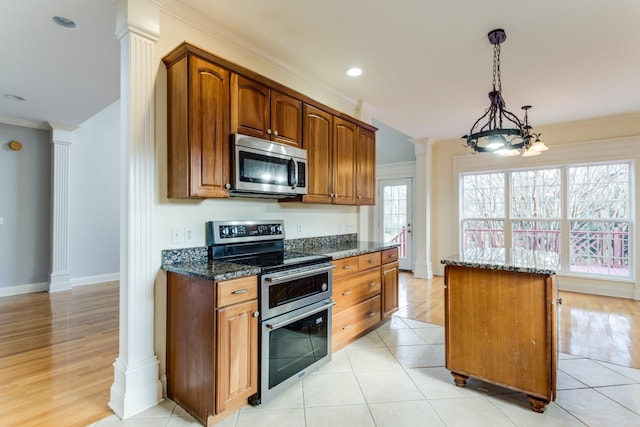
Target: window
column 536, row 209
column 483, row 210
column 582, row 211
column 600, row 218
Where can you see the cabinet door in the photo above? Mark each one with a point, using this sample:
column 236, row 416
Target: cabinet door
column 390, row 276
column 317, row 138
column 249, row 107
column 237, row 355
column 198, row 129
column 366, row 167
column 286, row 119
column 209, row 129
column 344, row 162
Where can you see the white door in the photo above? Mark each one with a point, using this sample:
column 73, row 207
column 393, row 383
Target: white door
column 395, row 217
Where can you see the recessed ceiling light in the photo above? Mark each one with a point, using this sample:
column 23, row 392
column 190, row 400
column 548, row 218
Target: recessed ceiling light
column 13, row 97
column 64, row 22
column 354, row 72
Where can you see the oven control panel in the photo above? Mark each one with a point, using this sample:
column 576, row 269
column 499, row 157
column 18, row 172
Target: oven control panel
column 221, row 232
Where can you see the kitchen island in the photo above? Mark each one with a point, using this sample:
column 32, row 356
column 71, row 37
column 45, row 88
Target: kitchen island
column 500, row 320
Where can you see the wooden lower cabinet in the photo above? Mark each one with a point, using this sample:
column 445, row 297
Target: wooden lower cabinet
column 237, row 355
column 212, row 344
column 351, row 322
column 359, row 284
column 390, row 276
column 500, row 327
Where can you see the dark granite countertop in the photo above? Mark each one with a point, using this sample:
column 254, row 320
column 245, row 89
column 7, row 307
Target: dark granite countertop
column 194, row 262
column 347, row 249
column 518, row 260
column 212, row 270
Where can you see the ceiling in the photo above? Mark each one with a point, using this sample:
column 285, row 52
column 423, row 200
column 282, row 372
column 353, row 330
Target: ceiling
column 427, row 64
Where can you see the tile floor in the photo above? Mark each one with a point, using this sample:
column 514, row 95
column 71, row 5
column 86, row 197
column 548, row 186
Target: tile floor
column 395, row 376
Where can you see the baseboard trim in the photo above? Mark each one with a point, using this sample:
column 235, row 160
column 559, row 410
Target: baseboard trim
column 28, row 288
column 92, row 280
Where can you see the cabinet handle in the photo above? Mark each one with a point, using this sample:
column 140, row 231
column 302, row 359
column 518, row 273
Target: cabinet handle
column 371, row 314
column 227, row 186
column 240, row 291
column 372, row 284
column 269, row 131
column 359, row 197
column 346, row 267
column 371, row 261
column 256, row 314
column 346, row 327
column 275, row 132
column 346, row 293
column 331, row 195
column 392, row 255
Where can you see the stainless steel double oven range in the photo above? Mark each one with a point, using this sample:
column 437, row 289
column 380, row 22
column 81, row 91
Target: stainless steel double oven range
column 294, row 299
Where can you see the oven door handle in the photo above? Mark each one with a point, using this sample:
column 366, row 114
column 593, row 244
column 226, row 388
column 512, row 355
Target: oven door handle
column 301, row 316
column 298, row 275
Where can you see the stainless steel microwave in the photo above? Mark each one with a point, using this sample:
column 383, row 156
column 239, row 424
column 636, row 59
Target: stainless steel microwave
column 268, row 169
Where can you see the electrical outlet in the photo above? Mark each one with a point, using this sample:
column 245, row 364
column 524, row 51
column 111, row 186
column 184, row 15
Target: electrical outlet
column 188, row 235
column 299, row 227
column 177, row 235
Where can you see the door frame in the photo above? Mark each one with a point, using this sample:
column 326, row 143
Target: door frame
column 406, row 170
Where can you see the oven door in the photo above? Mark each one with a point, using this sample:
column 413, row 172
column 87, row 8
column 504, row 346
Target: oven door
column 288, row 290
column 294, row 345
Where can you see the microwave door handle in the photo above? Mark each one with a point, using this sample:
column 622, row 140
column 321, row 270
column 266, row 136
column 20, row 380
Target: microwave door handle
column 293, row 173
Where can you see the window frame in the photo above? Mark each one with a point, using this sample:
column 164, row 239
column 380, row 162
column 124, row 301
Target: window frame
column 564, row 220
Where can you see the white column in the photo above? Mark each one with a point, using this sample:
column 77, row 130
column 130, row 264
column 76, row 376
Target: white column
column 136, row 385
column 422, row 222
column 60, row 278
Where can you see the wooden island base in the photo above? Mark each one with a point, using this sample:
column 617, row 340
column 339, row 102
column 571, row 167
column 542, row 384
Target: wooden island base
column 537, row 404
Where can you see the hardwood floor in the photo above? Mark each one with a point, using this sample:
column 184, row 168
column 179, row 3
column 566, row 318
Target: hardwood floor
column 56, row 356
column 57, row 350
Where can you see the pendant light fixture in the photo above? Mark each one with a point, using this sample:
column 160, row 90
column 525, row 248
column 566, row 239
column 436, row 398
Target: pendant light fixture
column 498, row 130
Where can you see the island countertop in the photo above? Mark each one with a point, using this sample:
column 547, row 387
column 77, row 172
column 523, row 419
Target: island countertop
column 519, row 260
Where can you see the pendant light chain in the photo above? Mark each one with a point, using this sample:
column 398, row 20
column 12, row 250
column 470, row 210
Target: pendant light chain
column 496, row 67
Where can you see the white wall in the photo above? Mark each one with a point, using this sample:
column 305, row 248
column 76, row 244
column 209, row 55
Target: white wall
column 25, row 195
column 397, row 146
column 94, row 199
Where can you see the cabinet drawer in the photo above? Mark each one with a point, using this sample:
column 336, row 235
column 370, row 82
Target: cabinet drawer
column 351, row 322
column 389, row 255
column 367, row 261
column 355, row 288
column 345, row 267
column 236, row 290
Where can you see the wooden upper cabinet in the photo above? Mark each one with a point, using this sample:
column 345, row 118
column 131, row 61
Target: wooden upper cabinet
column 259, row 111
column 198, row 129
column 366, row 167
column 286, row 119
column 249, row 107
column 344, row 162
column 317, row 139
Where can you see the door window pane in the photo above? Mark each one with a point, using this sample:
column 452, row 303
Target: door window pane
column 395, row 217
